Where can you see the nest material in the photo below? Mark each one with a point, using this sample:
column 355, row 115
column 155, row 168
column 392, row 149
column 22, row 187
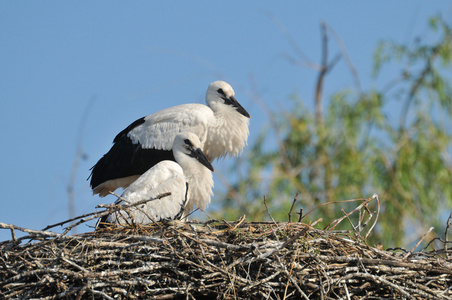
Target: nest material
column 223, row 260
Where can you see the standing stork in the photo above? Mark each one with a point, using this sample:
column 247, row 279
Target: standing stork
column 221, row 125
column 189, row 180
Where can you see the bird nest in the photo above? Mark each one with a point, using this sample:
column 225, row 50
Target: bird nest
column 222, row 260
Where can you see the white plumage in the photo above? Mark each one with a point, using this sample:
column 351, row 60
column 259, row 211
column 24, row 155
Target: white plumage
column 192, row 167
column 222, row 127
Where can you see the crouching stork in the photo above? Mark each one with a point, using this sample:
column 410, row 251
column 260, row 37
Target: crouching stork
column 189, row 180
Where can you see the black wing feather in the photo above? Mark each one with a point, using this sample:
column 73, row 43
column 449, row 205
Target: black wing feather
column 126, row 159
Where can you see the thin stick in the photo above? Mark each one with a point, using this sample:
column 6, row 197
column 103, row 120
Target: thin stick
column 37, row 232
column 291, row 208
column 336, row 222
column 291, row 268
column 346, row 291
column 374, row 196
column 446, row 232
column 115, row 208
column 417, row 244
column 300, row 215
column 268, row 211
column 13, row 233
column 231, row 228
column 334, row 202
column 70, row 220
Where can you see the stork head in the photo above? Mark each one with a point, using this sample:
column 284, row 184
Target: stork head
column 187, row 151
column 221, row 93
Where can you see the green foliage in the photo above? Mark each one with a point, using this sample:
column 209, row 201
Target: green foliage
column 394, row 141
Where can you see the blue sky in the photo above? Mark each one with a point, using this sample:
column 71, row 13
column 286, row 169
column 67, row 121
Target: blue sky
column 128, row 60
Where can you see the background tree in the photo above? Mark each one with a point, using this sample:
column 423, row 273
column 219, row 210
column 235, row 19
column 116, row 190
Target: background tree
column 394, row 140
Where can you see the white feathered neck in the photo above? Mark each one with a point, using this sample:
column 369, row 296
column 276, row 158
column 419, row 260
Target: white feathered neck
column 228, row 131
column 200, row 184
column 198, row 176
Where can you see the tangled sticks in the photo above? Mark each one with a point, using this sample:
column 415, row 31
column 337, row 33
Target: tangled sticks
column 224, row 260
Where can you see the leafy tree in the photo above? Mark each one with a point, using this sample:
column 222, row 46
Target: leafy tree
column 394, row 140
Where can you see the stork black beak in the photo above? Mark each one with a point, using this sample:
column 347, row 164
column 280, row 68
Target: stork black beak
column 232, row 101
column 199, row 155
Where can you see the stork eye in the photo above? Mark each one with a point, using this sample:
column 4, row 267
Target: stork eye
column 221, row 92
column 188, row 142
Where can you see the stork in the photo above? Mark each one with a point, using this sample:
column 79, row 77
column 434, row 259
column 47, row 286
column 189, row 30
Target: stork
column 189, row 180
column 222, row 127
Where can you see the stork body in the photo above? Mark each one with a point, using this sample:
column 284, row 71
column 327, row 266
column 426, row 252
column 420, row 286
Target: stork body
column 189, row 180
column 221, row 125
